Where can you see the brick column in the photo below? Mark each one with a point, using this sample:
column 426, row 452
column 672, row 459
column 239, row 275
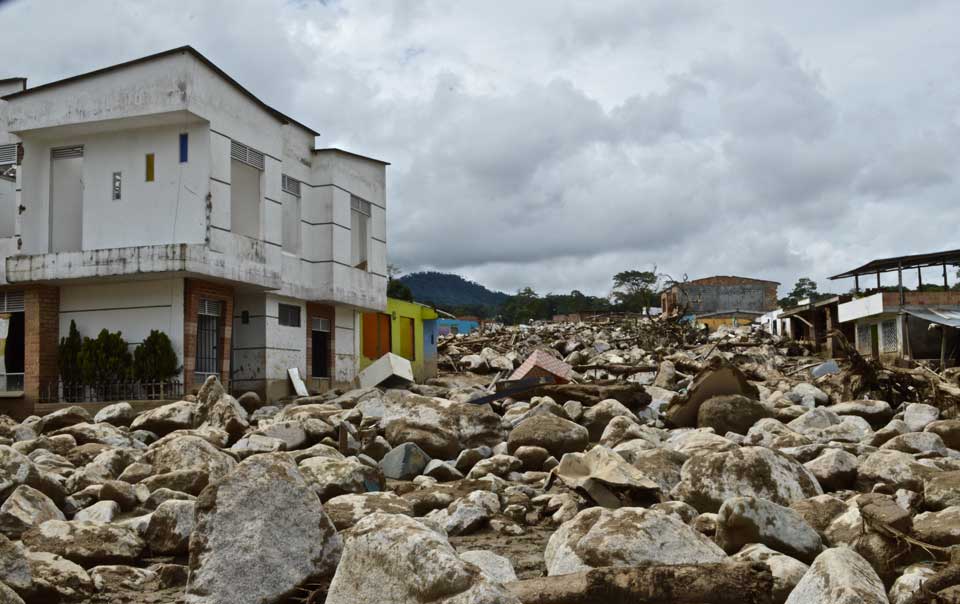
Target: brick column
column 41, row 338
column 193, row 291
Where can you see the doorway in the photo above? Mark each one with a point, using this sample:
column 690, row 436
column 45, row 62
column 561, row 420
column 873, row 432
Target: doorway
column 66, row 199
column 320, row 348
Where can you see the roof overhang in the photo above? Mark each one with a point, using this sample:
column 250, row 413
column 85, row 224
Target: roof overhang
column 887, row 265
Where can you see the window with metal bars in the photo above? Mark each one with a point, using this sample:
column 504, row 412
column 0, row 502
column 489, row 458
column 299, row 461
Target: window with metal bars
column 288, row 315
column 208, row 338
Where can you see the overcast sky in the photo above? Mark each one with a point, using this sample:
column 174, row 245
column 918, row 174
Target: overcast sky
column 553, row 144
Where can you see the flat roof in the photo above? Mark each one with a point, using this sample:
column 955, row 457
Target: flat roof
column 729, row 277
column 345, row 152
column 181, row 49
column 886, row 265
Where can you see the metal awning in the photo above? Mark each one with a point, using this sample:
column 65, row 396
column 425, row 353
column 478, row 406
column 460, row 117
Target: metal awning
column 949, row 316
column 886, row 265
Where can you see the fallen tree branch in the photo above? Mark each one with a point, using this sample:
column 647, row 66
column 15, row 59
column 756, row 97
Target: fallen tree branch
column 739, row 583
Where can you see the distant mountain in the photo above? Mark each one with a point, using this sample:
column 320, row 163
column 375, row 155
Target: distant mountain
column 449, row 291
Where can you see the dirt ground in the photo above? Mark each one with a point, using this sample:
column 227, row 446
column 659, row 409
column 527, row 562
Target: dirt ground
column 524, row 551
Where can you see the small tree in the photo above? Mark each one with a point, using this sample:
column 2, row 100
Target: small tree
column 154, row 360
column 68, row 356
column 105, row 359
column 636, row 290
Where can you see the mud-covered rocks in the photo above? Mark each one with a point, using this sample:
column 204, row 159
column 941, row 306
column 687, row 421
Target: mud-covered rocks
column 170, row 526
column 626, row 537
column 330, row 477
column 942, row 491
column 939, row 528
column 189, row 453
column 731, row 413
column 834, row 469
column 745, row 520
column 441, row 427
column 786, row 571
column 14, row 568
column 86, row 543
column 839, row 576
column 264, row 498
column 393, row 559
column 56, row 579
column 555, row 434
column 707, row 481
column 896, row 469
column 347, row 510
column 24, row 509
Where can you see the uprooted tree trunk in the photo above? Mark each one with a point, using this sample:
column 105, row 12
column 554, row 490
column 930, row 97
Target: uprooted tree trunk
column 632, row 395
column 739, row 583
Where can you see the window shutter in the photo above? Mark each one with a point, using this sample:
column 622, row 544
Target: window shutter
column 12, row 301
column 251, row 157
column 68, row 152
column 290, row 185
column 8, row 154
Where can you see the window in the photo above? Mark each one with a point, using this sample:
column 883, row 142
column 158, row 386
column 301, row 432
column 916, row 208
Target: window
column 208, row 338
column 359, row 227
column 117, row 182
column 288, row 315
column 149, row 167
column 889, row 335
column 184, row 145
column 291, row 215
column 246, row 165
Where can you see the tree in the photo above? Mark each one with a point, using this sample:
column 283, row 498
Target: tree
column 524, row 306
column 803, row 288
column 68, row 355
column 636, row 291
column 154, row 360
column 104, row 359
column 399, row 290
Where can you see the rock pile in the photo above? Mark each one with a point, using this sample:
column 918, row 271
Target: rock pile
column 707, row 459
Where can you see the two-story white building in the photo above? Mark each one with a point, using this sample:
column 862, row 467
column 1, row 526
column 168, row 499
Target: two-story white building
column 161, row 194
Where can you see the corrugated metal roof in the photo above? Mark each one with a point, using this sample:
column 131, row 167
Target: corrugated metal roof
column 885, row 265
column 949, row 316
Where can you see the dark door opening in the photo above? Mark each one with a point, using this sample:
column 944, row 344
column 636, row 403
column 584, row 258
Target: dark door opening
column 13, row 353
column 208, row 346
column 320, row 345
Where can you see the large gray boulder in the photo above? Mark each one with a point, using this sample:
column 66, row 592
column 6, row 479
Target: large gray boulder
column 404, row 462
column 260, row 532
column 731, row 413
column 707, row 481
column 839, row 576
column 17, row 469
column 118, row 414
column 393, row 559
column 786, row 571
column 86, row 543
column 166, row 418
column 347, row 510
column 441, row 427
column 626, row 537
column 918, row 415
column 189, row 453
column 897, row 469
column 555, row 434
column 170, row 526
column 56, row 579
column 25, row 509
column 14, row 568
column 331, row 477
column 62, row 418
column 745, row 520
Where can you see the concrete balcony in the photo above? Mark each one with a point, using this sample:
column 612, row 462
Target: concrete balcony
column 889, row 302
column 245, row 262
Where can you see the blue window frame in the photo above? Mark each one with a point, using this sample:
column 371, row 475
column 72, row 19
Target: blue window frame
column 183, row 148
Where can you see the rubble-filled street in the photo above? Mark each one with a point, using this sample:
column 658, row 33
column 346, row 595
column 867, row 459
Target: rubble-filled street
column 657, row 464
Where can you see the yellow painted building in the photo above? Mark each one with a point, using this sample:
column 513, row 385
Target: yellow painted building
column 407, row 329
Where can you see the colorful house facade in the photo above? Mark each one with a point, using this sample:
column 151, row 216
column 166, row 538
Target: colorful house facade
column 408, row 329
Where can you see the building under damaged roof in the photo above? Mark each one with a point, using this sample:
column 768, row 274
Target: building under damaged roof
column 721, row 300
column 905, row 324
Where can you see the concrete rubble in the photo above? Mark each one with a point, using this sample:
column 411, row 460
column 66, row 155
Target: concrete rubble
column 668, row 465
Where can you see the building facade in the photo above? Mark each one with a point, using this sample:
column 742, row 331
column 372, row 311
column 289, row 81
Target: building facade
column 721, row 300
column 407, row 329
column 161, row 194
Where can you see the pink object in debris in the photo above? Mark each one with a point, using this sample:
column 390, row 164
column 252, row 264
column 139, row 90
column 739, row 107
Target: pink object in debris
column 541, row 363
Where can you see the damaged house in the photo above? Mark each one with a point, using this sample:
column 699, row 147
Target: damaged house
column 721, row 300
column 160, row 194
column 915, row 325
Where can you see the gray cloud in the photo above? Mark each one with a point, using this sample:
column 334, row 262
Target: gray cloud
column 553, row 144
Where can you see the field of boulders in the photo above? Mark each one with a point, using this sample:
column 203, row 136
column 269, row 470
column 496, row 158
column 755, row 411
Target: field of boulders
column 675, row 467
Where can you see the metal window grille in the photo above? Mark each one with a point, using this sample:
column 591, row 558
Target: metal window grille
column 67, row 152
column 320, row 324
column 8, row 154
column 11, row 301
column 208, row 337
column 290, row 185
column 251, row 157
column 359, row 205
column 288, row 315
column 863, row 338
column 890, row 339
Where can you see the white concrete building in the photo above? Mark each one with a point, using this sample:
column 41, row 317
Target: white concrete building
column 161, row 194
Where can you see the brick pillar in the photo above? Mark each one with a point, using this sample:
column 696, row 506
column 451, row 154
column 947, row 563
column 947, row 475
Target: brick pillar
column 193, row 291
column 41, row 338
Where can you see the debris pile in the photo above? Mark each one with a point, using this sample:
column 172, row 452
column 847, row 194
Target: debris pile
column 628, row 460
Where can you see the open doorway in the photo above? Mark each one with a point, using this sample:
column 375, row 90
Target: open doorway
column 66, row 199
column 12, row 341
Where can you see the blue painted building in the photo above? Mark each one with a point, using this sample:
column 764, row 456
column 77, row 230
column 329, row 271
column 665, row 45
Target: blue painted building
column 446, row 327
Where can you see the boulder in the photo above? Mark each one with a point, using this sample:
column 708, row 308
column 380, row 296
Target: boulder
column 100, row 512
column 877, row 413
column 442, row 428
column 167, row 418
column 715, row 380
column 496, row 569
column 626, row 537
column 393, row 559
column 469, row 513
column 596, row 418
column 942, row 491
column 118, row 414
column 896, row 469
column 189, row 453
column 191, row 482
column 834, row 469
column 260, row 532
column 404, row 462
column 707, row 481
column 786, row 571
column 8, row 596
column 819, row 511
column 114, row 577
column 290, row 432
column 839, row 576
column 442, row 471
column 555, row 434
column 917, row 443
column 86, row 543
column 24, row 509
column 918, row 415
column 250, row 401
column 948, row 430
column 14, row 568
column 331, row 477
column 251, row 444
column 124, row 493
column 731, row 413
column 745, row 520
column 909, row 582
column 939, row 528
column 62, row 418
column 659, row 465
column 168, row 533
column 347, row 510
column 498, row 465
column 56, row 579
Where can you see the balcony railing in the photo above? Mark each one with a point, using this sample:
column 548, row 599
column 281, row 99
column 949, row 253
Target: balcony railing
column 71, row 392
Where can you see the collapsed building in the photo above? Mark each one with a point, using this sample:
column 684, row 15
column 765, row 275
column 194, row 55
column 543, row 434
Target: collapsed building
column 720, row 300
column 160, row 194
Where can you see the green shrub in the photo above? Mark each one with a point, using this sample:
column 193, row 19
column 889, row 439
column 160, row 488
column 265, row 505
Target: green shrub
column 68, row 355
column 154, row 360
column 105, row 359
